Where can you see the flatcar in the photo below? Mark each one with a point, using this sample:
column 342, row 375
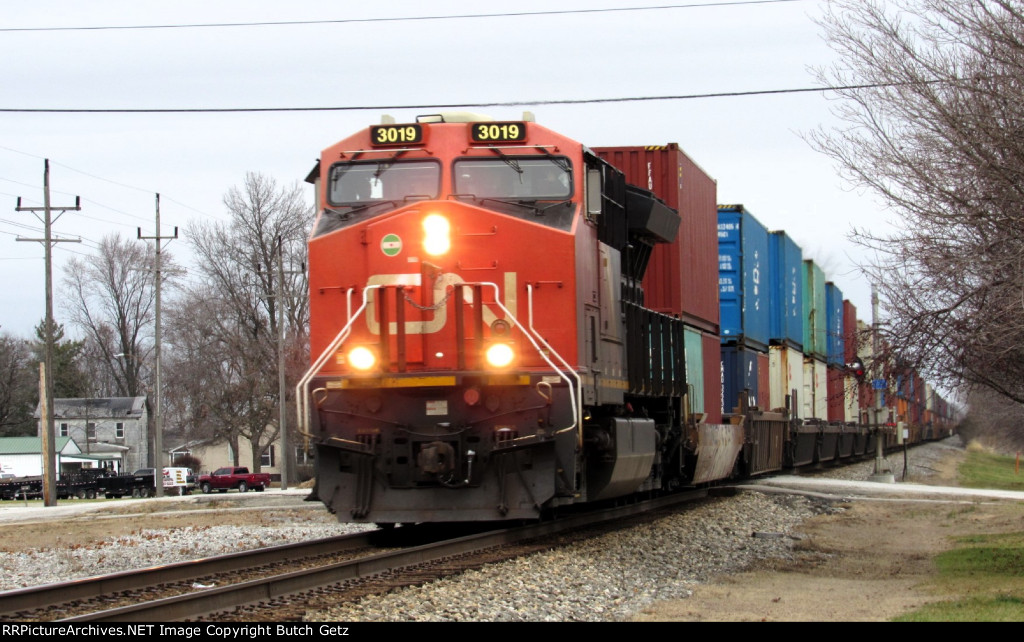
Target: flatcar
column 480, row 344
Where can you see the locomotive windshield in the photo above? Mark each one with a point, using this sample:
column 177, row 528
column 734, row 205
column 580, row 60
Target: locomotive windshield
column 534, row 187
column 369, row 188
column 367, row 182
column 530, row 178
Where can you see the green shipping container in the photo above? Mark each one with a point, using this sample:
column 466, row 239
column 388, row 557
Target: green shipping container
column 692, row 340
column 815, row 312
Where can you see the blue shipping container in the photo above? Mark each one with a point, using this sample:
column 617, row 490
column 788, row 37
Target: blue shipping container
column 739, row 373
column 742, row 277
column 834, row 321
column 785, row 294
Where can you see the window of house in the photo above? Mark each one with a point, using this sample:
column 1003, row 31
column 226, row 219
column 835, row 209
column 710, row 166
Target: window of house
column 303, row 457
column 64, row 430
column 90, row 431
column 119, row 430
column 267, row 459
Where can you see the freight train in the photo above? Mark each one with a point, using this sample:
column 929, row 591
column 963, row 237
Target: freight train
column 504, row 322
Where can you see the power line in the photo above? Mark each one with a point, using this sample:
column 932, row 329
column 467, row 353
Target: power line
column 291, row 23
column 517, row 103
column 99, row 178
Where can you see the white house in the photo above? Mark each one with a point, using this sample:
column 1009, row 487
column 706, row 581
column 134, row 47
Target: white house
column 23, row 457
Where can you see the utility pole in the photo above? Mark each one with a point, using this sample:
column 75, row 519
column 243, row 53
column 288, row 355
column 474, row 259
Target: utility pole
column 46, row 383
column 283, row 417
column 158, row 419
column 879, row 375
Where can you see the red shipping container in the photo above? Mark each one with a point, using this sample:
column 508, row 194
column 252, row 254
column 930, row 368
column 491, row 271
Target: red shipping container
column 836, row 394
column 851, row 338
column 682, row 276
column 712, row 344
column 764, row 382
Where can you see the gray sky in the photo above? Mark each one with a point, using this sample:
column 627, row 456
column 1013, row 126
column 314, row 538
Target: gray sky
column 117, row 162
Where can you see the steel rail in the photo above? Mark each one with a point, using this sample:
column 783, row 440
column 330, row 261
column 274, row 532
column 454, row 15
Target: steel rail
column 37, row 597
column 204, row 602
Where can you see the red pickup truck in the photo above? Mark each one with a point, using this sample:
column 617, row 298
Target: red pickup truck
column 224, row 479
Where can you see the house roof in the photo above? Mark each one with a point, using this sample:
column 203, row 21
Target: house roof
column 34, row 445
column 97, row 408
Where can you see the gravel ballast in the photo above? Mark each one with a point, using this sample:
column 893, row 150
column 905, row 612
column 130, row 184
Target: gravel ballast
column 608, row 578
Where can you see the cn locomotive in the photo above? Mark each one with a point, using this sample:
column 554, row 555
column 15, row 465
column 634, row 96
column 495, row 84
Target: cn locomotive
column 481, row 347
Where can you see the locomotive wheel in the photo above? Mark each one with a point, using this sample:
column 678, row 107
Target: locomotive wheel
column 243, row 487
column 205, row 488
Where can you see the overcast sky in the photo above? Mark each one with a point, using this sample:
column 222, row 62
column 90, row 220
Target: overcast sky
column 117, row 162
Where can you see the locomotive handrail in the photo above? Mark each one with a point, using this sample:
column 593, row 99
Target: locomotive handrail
column 577, row 409
column 576, row 405
column 301, row 392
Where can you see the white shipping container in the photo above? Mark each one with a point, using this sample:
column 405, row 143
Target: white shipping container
column 852, row 404
column 786, row 368
column 815, row 386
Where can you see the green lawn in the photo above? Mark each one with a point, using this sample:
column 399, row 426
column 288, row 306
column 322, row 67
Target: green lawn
column 984, row 575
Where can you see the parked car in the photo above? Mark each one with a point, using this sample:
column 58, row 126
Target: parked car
column 224, row 479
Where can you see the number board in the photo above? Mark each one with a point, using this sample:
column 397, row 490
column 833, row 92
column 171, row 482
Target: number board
column 498, row 132
column 396, row 134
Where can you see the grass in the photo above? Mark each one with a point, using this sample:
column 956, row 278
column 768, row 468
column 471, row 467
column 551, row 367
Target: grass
column 987, row 470
column 983, row 574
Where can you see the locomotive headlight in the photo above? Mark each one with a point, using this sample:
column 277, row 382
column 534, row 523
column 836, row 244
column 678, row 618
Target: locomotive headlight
column 437, row 238
column 361, row 358
column 500, row 355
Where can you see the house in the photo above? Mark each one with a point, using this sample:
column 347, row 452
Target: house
column 23, row 457
column 115, row 429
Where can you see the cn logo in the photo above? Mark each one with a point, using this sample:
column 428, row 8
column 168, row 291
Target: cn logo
column 439, row 316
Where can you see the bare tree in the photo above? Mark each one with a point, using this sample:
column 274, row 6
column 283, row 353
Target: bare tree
column 19, row 387
column 236, row 306
column 110, row 296
column 934, row 126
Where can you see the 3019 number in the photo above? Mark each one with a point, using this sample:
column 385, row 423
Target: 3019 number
column 396, row 134
column 503, row 132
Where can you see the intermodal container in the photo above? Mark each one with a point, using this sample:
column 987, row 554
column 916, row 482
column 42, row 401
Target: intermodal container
column 785, row 294
column 693, row 343
column 712, row 378
column 852, row 403
column 786, row 367
column 836, row 394
column 815, row 323
column 834, row 323
column 763, row 381
column 742, row 277
column 866, row 394
column 682, row 276
column 739, row 376
column 815, row 399
column 851, row 332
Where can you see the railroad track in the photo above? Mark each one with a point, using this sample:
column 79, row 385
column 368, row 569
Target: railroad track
column 278, row 583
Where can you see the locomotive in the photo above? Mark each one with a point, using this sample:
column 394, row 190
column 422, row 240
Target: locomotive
column 481, row 344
